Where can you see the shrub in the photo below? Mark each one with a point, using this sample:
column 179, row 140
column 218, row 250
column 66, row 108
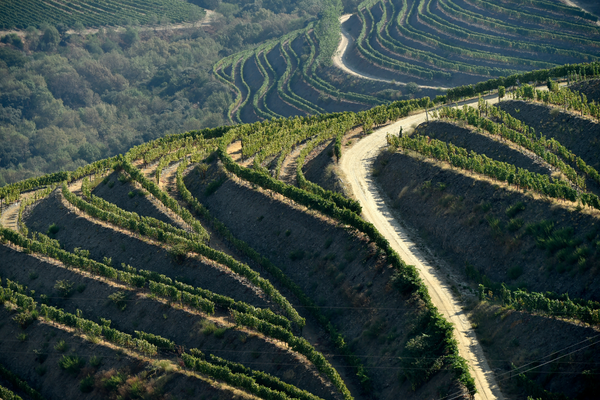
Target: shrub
column 214, row 185
column 119, row 299
column 208, row 327
column 113, row 382
column 514, row 224
column 220, row 332
column 179, row 252
column 71, row 364
column 25, row 318
column 61, row 346
column 64, row 287
column 123, row 178
column 515, row 209
column 86, row 385
column 53, row 230
column 95, row 361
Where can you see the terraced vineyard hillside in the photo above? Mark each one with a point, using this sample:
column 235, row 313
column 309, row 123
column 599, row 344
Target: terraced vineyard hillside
column 178, row 271
column 278, row 79
column 22, row 14
column 458, row 42
column 506, row 197
column 431, row 44
column 211, row 264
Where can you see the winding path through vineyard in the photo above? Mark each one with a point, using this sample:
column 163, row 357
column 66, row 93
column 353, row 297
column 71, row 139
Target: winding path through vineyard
column 10, row 216
column 356, row 164
column 339, row 58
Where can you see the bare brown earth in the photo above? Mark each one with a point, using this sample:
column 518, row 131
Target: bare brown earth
column 339, row 270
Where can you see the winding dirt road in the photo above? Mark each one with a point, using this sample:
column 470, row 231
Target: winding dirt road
column 339, row 59
column 357, row 163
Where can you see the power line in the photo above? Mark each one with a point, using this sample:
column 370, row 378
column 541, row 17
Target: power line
column 458, row 394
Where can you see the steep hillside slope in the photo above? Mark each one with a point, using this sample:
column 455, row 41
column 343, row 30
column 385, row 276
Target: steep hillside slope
column 179, row 257
column 512, row 217
column 455, row 42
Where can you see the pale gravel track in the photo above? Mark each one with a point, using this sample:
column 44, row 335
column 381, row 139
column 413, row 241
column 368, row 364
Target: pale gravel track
column 10, row 216
column 339, row 60
column 357, row 163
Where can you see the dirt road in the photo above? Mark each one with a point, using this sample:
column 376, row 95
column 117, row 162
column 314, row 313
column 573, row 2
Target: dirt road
column 339, row 59
column 10, row 217
column 356, row 164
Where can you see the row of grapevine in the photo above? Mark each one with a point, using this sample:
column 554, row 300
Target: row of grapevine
column 147, row 222
column 145, row 343
column 264, row 379
column 407, row 278
column 365, row 48
column 200, row 298
column 419, row 38
column 259, row 98
column 18, row 383
column 501, row 171
column 286, row 80
column 309, row 73
column 449, row 7
column 21, row 14
column 563, row 97
column 218, row 68
column 534, row 302
column 558, row 8
column 336, row 338
column 298, row 344
column 157, row 284
column 513, row 130
column 527, row 139
column 14, row 293
column 439, row 23
column 518, row 14
column 239, row 380
column 386, row 39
